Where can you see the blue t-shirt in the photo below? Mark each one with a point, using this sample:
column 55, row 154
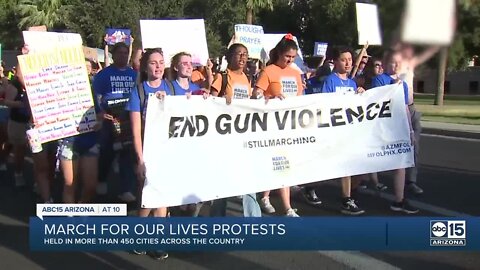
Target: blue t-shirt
column 314, row 85
column 114, row 86
column 179, row 91
column 385, row 79
column 333, row 84
column 133, row 104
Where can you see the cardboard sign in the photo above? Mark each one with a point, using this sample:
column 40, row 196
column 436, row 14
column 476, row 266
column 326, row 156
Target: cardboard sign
column 165, row 34
column 90, row 53
column 368, row 25
column 40, row 28
column 429, row 22
column 115, row 35
column 250, row 36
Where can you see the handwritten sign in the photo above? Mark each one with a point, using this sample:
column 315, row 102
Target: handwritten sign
column 250, row 36
column 320, row 49
column 429, row 22
column 59, row 92
column 368, row 25
column 193, row 39
column 45, row 41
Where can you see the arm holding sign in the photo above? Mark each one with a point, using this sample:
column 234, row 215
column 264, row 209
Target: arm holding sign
column 134, row 106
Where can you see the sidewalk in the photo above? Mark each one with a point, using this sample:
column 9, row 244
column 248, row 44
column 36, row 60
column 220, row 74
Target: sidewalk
column 452, row 130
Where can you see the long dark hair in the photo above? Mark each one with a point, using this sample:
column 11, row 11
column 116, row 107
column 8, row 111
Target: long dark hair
column 144, row 62
column 286, row 43
column 231, row 51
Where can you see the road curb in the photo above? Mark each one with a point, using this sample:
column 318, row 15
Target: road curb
column 451, row 133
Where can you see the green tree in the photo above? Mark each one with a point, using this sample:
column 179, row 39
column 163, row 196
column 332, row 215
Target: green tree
column 40, row 12
column 10, row 34
column 253, row 5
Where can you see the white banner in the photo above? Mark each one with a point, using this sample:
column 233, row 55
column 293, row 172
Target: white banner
column 251, row 36
column 175, row 36
column 48, row 41
column 198, row 150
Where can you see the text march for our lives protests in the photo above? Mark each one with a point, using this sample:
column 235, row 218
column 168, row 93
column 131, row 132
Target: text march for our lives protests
column 237, row 233
column 211, row 150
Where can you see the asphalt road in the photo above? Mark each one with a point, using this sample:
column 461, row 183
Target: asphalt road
column 449, row 191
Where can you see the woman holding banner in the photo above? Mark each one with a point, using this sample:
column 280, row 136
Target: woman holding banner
column 152, row 68
column 279, row 80
column 181, row 68
column 234, row 84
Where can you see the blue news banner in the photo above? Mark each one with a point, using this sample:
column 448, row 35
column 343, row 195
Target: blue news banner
column 316, row 233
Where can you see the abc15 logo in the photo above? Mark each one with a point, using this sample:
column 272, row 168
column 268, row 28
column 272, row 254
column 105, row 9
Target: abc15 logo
column 451, row 229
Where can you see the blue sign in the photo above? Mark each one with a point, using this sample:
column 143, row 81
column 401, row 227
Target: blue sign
column 226, row 234
column 320, row 49
column 116, row 35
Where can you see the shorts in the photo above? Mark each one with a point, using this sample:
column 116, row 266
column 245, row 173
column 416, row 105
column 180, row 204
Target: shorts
column 17, row 132
column 4, row 114
column 67, row 151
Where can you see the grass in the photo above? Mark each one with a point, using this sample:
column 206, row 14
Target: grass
column 456, row 109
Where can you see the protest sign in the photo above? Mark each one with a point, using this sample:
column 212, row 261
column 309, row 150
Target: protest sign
column 165, row 34
column 39, row 28
column 368, row 25
column 59, row 92
column 271, row 40
column 45, row 41
column 254, row 146
column 115, row 35
column 320, row 49
column 90, row 53
column 429, row 22
column 250, row 36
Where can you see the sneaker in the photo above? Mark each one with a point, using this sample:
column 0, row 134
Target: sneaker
column 415, row 189
column 363, row 185
column 139, row 252
column 159, row 255
column 127, row 197
column 311, row 197
column 19, row 180
column 102, row 188
column 3, row 167
column 292, row 213
column 266, row 206
column 350, row 207
column 381, row 187
column 403, row 206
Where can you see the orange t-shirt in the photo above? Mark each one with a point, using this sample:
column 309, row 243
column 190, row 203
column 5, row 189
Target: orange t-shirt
column 275, row 81
column 238, row 86
column 197, row 77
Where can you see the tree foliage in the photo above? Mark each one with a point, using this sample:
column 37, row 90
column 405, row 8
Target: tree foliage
column 331, row 21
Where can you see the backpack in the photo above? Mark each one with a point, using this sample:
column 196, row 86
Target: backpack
column 223, row 88
column 141, row 92
column 141, row 95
